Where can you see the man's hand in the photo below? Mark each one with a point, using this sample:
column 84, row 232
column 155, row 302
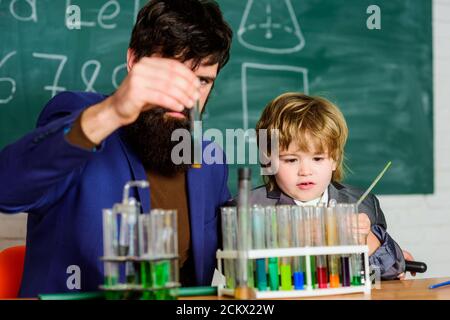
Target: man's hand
column 364, row 234
column 408, row 256
column 153, row 82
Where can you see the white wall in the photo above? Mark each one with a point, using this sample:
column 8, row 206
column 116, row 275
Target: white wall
column 420, row 224
column 13, row 230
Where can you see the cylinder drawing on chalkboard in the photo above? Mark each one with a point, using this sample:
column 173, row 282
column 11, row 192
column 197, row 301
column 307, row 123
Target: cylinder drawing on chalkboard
column 270, row 26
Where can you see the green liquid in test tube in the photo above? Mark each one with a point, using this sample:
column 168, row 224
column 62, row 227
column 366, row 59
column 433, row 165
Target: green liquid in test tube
column 313, row 272
column 144, row 224
column 272, row 243
column 146, row 281
column 258, row 230
column 170, row 269
column 110, row 246
column 356, row 258
column 163, row 246
column 245, row 270
column 161, row 274
column 229, row 239
column 284, row 241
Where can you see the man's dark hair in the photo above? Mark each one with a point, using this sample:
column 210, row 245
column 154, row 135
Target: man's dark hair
column 182, row 29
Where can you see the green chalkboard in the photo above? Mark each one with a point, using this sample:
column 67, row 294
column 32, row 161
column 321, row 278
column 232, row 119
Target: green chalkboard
column 380, row 78
column 40, row 56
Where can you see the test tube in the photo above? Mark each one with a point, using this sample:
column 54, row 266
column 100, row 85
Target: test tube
column 229, row 239
column 272, row 243
column 145, row 252
column 361, row 240
column 196, row 138
column 244, row 277
column 111, row 270
column 258, row 230
column 308, row 214
column 345, row 234
column 171, row 245
column 164, row 247
column 127, row 214
column 332, row 240
column 356, row 258
column 318, row 226
column 132, row 221
column 284, row 241
column 298, row 241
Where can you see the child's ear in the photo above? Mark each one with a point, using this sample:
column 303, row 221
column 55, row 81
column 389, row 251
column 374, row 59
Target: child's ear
column 334, row 165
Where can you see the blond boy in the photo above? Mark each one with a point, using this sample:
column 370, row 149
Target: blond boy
column 312, row 136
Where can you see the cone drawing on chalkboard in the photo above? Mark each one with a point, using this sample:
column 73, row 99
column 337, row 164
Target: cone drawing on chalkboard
column 270, row 26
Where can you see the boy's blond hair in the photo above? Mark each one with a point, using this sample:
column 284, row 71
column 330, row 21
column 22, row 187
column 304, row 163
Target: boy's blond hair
column 308, row 122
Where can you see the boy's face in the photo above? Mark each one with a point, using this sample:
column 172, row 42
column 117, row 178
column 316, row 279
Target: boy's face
column 303, row 175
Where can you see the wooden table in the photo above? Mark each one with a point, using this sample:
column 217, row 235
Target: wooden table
column 413, row 289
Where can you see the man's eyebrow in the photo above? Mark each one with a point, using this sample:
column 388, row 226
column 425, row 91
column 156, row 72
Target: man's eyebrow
column 207, row 78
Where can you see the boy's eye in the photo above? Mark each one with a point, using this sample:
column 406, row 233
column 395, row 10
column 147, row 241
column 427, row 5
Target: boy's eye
column 290, row 160
column 318, row 158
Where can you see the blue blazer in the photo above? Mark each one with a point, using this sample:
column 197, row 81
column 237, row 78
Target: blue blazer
column 64, row 189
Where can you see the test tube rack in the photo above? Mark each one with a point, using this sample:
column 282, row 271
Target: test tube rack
column 140, row 287
column 307, row 252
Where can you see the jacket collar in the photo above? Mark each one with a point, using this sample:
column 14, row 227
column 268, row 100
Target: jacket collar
column 333, row 193
column 277, row 194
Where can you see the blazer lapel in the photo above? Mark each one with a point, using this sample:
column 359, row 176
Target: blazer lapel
column 196, row 194
column 334, row 192
column 279, row 196
column 285, row 200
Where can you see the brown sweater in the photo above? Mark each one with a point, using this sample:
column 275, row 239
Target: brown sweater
column 170, row 193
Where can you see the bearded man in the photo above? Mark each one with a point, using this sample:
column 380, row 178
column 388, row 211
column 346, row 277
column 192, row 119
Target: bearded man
column 87, row 146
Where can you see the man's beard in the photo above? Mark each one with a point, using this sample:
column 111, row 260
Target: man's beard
column 150, row 137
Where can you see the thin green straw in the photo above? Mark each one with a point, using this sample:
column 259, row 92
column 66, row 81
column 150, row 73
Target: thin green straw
column 373, row 184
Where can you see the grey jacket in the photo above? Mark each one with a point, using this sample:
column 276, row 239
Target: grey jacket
column 388, row 257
